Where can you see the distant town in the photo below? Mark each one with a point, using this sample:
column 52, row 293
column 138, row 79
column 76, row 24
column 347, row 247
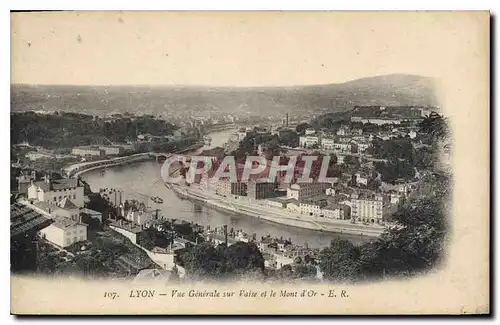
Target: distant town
column 385, row 163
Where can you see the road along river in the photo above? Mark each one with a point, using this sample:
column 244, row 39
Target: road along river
column 143, row 180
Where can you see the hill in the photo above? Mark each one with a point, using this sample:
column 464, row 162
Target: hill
column 388, row 90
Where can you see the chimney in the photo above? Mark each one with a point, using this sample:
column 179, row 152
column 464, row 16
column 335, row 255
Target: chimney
column 225, row 234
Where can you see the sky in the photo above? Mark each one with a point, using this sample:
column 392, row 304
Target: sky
column 231, row 48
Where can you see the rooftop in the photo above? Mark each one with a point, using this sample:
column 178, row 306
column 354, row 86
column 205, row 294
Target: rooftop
column 59, row 184
column 24, row 219
column 65, row 223
column 67, row 204
column 152, row 274
column 89, row 211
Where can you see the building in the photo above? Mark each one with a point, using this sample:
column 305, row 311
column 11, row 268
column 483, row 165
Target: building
column 88, row 151
column 239, row 188
column 67, row 209
column 328, row 143
column 377, row 121
column 92, row 214
column 140, row 217
column 362, row 178
column 310, row 131
column 64, row 232
column 330, row 191
column 56, row 190
column 312, row 207
column 242, row 133
column 292, row 205
column 368, row 207
column 337, row 211
column 340, row 159
column 34, row 155
column 24, row 182
column 261, row 189
column 25, row 223
column 307, row 141
column 362, row 146
column 223, row 187
column 208, row 182
column 148, row 276
column 395, row 197
column 304, row 191
column 343, row 130
column 112, row 150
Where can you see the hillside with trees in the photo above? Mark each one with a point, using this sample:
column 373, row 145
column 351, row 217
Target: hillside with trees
column 65, row 129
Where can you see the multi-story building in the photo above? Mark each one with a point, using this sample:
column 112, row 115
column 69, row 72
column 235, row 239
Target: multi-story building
column 239, row 188
column 368, row 207
column 88, row 151
column 362, row 178
column 336, row 211
column 310, row 131
column 241, row 134
column 343, row 130
column 312, row 207
column 140, row 217
column 112, row 150
column 307, row 141
column 24, row 182
column 304, row 191
column 67, row 209
column 223, row 187
column 362, row 146
column 261, row 189
column 65, row 232
column 56, row 190
column 328, row 143
column 340, row 159
column 338, row 144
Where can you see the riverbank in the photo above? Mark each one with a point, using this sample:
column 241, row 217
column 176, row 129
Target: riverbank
column 276, row 216
column 78, row 169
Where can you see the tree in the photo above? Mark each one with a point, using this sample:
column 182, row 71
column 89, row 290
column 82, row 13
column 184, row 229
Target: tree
column 206, row 261
column 286, row 271
column 301, row 128
column 243, row 256
column 147, row 238
column 434, row 125
column 91, row 222
column 394, row 170
column 305, row 271
column 289, row 138
column 415, row 245
column 98, row 203
column 339, row 261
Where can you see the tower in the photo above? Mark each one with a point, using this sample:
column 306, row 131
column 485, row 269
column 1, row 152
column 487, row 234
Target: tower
column 225, row 234
column 286, row 123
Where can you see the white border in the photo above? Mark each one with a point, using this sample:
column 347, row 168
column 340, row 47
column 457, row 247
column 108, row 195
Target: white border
column 200, row 5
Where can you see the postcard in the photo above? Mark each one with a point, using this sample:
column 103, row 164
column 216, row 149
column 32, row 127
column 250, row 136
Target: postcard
column 277, row 163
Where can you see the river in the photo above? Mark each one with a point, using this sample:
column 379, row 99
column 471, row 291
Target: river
column 142, row 180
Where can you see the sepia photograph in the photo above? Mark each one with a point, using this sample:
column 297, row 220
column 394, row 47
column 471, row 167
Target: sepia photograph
column 249, row 162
